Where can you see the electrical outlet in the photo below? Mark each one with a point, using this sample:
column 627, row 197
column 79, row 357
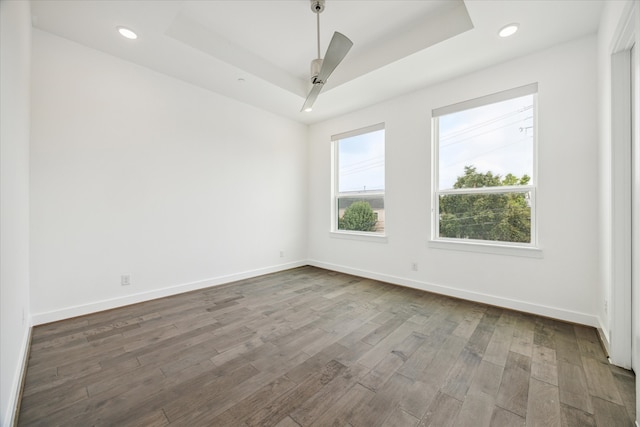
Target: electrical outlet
column 606, row 307
column 281, row 254
column 125, row 280
column 414, row 266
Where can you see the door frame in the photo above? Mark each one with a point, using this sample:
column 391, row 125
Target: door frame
column 620, row 308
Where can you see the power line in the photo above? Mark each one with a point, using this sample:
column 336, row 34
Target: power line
column 482, row 133
column 486, row 152
column 485, row 123
column 374, row 166
column 356, row 163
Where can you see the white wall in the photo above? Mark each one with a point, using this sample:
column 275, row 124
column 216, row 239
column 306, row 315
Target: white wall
column 15, row 59
column 134, row 172
column 563, row 283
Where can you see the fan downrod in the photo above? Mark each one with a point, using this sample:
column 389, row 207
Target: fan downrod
column 321, row 68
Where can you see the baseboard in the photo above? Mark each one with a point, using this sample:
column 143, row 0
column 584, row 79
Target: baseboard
column 527, row 307
column 13, row 406
column 553, row 312
column 93, row 307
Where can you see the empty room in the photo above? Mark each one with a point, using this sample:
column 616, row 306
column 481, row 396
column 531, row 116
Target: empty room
column 319, row 213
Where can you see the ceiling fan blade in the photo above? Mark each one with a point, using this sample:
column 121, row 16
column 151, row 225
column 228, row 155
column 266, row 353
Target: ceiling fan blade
column 311, row 98
column 337, row 50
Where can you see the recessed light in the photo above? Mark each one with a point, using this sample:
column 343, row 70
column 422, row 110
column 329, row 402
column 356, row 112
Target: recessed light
column 508, row 30
column 125, row 32
column 308, row 110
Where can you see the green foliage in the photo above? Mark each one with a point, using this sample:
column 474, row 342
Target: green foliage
column 359, row 216
column 491, row 216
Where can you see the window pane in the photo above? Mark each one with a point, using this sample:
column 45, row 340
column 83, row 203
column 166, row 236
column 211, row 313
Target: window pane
column 361, row 163
column 502, row 217
column 361, row 213
column 496, row 139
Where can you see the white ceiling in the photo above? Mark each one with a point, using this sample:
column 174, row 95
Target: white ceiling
column 259, row 51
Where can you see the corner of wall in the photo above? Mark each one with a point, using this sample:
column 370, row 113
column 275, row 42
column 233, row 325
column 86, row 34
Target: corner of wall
column 14, row 400
column 15, row 71
column 603, row 334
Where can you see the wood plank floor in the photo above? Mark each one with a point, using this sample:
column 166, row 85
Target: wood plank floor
column 309, row 347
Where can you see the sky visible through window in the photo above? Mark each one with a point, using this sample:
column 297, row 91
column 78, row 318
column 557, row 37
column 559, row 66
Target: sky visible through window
column 361, row 162
column 496, row 137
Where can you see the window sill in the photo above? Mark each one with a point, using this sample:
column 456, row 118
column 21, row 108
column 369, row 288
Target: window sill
column 487, row 248
column 366, row 237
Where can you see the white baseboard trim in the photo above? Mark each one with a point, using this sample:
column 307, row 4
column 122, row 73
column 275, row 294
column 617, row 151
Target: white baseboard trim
column 93, row 307
column 553, row 312
column 541, row 310
column 13, row 404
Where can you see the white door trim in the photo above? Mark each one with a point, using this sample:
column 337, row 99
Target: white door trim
column 620, row 307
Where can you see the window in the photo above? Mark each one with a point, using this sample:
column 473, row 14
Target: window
column 358, row 190
column 484, row 169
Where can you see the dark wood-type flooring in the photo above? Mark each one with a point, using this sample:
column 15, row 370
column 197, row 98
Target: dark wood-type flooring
column 309, row 347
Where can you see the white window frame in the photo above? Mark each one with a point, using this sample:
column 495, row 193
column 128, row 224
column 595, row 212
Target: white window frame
column 336, row 194
column 476, row 245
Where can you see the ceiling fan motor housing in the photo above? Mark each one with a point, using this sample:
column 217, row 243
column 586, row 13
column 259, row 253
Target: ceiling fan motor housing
column 316, row 65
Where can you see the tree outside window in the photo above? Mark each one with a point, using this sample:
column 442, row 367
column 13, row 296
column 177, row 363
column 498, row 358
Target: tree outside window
column 359, row 167
column 484, row 169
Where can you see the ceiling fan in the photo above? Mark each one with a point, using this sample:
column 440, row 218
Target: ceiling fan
column 321, row 69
